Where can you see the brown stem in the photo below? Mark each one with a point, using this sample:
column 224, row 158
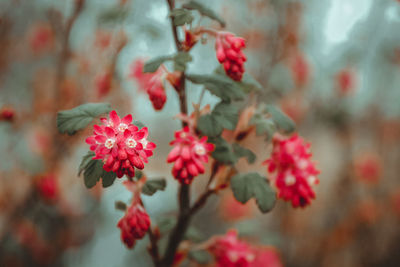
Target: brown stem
column 201, row 201
column 153, row 249
column 60, row 75
column 182, row 224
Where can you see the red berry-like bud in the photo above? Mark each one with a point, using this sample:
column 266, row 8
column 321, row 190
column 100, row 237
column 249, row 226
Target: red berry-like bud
column 134, row 225
column 152, row 83
column 228, row 50
column 7, row 114
column 48, row 187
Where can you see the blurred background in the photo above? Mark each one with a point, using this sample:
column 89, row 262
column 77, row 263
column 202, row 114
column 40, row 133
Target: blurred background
column 332, row 66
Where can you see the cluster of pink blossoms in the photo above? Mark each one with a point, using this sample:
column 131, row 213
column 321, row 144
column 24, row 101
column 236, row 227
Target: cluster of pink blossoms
column 134, row 224
column 229, row 251
column 189, row 154
column 229, row 53
column 152, row 83
column 295, row 173
column 120, row 145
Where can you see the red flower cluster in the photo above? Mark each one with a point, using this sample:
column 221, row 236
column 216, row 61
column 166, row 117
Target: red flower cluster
column 189, row 154
column 120, row 144
column 229, row 251
column 229, row 53
column 47, row 187
column 295, row 174
column 134, row 225
column 152, row 83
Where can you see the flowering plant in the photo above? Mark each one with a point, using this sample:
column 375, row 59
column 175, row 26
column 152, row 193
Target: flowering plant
column 210, row 142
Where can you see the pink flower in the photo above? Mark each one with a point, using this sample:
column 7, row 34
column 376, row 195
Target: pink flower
column 189, row 154
column 229, row 53
column 152, row 83
column 231, row 252
column 134, row 224
column 120, row 145
column 294, row 172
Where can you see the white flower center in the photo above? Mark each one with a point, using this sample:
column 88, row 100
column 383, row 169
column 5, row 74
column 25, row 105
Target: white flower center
column 122, row 127
column 130, row 142
column 109, row 143
column 144, row 142
column 311, row 180
column 290, row 180
column 199, row 150
column 110, row 123
column 303, row 164
column 183, row 135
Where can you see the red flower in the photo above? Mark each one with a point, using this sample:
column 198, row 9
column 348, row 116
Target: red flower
column 134, row 225
column 152, row 83
column 267, row 256
column 300, row 70
column 231, row 252
column 48, row 187
column 103, row 84
column 7, row 114
column 189, row 154
column 41, row 38
column 120, row 144
column 346, row 81
column 229, row 53
column 368, row 167
column 295, row 173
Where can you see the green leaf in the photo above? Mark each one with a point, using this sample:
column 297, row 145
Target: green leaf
column 205, row 11
column 113, row 15
column 152, row 186
column 108, row 178
column 244, row 152
column 264, row 126
column 253, row 185
column 85, row 160
column 153, row 64
column 227, row 115
column 200, row 256
column 138, row 174
column 93, row 173
column 181, row 16
column 194, row 235
column 70, row 121
column 219, row 85
column 282, row 121
column 207, row 125
column 166, row 224
column 223, row 151
column 249, row 84
column 119, row 205
column 180, row 60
